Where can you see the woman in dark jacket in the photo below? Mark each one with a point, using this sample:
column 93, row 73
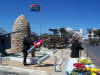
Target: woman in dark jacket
column 76, row 46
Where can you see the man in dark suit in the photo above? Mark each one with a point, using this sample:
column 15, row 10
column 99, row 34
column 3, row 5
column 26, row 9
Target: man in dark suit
column 76, row 47
column 27, row 42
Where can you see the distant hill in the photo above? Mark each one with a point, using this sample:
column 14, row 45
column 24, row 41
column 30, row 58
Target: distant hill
column 2, row 31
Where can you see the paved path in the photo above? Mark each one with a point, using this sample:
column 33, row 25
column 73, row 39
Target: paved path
column 93, row 53
column 66, row 56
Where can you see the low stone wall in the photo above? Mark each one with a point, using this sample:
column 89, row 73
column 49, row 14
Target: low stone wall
column 7, row 70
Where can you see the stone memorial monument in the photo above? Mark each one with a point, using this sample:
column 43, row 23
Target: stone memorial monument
column 21, row 23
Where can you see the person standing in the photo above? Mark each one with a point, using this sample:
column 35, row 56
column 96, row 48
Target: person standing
column 76, row 47
column 27, row 42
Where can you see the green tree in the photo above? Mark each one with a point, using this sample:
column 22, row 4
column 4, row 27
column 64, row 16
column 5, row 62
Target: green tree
column 97, row 32
column 45, row 36
column 63, row 32
column 54, row 38
column 55, row 31
column 63, row 36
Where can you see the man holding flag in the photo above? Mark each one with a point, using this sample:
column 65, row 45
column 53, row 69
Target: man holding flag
column 36, row 44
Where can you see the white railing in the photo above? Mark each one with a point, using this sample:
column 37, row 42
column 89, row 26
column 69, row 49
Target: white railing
column 0, row 59
column 59, row 64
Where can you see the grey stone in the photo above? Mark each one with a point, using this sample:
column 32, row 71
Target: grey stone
column 21, row 23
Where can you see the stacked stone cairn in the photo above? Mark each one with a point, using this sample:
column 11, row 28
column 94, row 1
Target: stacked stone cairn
column 21, row 23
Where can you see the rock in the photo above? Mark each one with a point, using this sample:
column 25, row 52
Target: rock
column 21, row 23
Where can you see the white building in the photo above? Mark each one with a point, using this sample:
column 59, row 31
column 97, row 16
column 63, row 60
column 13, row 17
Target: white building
column 75, row 33
column 85, row 37
column 90, row 33
column 69, row 29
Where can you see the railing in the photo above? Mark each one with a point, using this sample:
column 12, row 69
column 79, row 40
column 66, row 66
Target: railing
column 59, row 64
column 0, row 59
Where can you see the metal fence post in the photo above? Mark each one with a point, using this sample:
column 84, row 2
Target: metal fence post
column 60, row 67
column 55, row 59
column 62, row 54
column 0, row 59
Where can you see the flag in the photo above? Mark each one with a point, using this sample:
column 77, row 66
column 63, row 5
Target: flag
column 35, row 7
column 38, row 42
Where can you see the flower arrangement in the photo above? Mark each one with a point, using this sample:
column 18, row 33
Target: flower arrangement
column 79, row 65
column 85, row 61
column 95, row 71
column 82, row 69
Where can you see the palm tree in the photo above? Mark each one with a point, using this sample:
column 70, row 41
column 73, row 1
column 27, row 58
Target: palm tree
column 64, row 37
column 55, row 31
column 63, row 32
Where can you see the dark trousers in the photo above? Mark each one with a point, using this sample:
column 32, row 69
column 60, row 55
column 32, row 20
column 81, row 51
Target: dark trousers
column 33, row 53
column 25, row 57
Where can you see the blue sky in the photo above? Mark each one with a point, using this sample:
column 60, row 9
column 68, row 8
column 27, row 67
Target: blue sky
column 55, row 14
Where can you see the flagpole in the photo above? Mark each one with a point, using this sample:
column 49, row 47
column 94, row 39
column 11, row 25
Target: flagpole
column 40, row 17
